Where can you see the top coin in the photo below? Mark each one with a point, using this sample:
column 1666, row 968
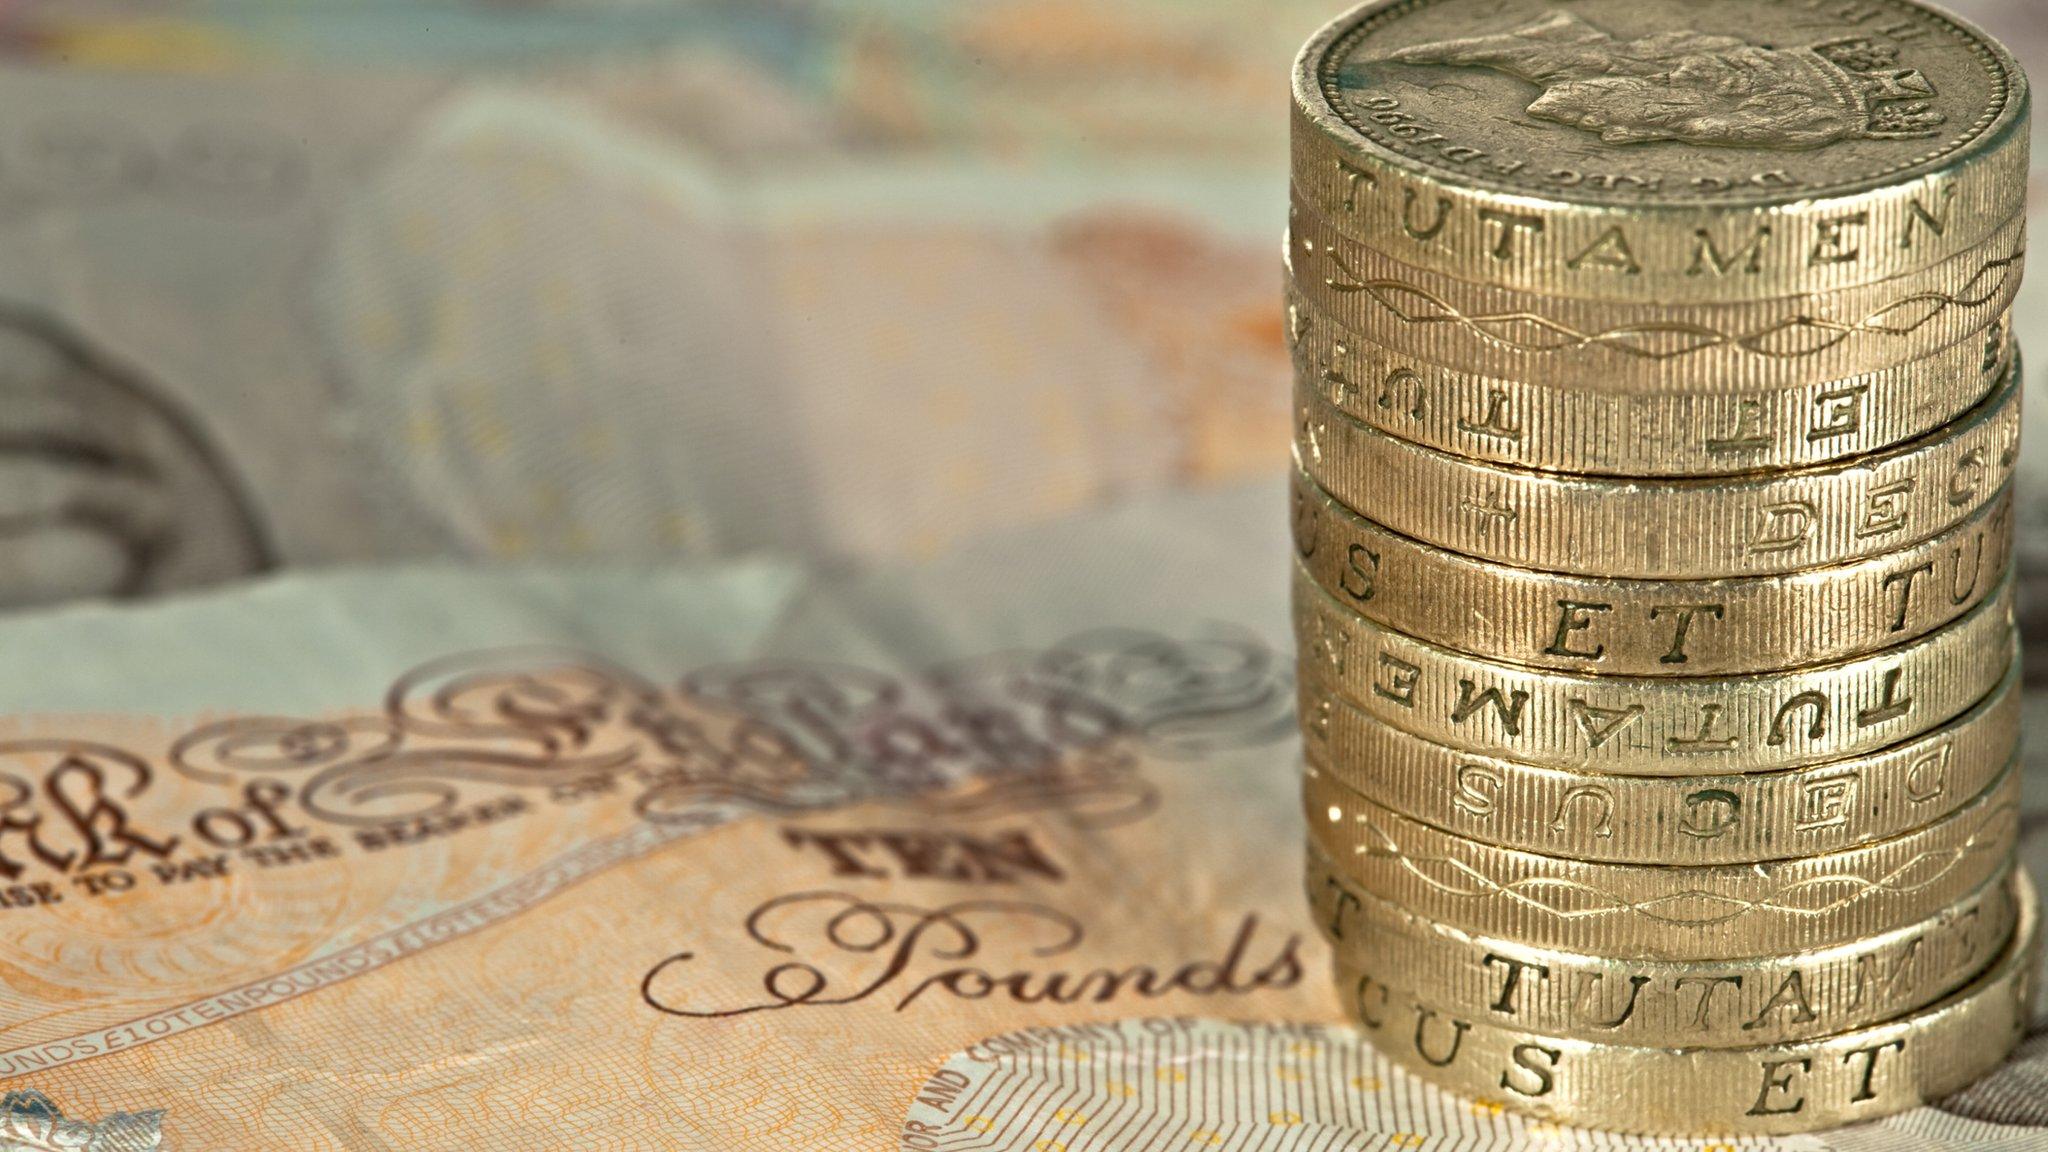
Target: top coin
column 1677, row 150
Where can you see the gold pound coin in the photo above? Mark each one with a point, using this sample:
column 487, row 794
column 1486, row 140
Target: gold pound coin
column 1600, row 425
column 1740, row 1003
column 1598, row 152
column 1655, row 726
column 1664, row 529
column 1650, row 627
column 1486, row 329
column 1645, row 911
column 1659, row 911
column 1847, row 1078
column 1683, row 821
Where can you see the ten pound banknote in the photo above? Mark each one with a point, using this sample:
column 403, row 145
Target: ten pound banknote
column 317, row 284
column 997, row 851
column 330, row 284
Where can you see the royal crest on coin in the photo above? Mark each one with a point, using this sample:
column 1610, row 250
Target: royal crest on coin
column 1700, row 88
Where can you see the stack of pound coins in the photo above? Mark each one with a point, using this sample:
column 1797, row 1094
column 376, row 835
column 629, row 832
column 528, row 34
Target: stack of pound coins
column 1657, row 413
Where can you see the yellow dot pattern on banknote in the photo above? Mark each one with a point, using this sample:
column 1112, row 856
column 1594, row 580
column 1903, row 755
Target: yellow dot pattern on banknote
column 1145, row 1084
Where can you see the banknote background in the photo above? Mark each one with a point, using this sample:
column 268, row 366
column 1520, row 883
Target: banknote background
column 923, row 355
column 295, row 284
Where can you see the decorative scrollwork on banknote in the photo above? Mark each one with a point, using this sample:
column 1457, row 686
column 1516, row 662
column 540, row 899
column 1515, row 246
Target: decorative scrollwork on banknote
column 1018, row 732
column 1177, row 698
column 1182, row 699
column 62, row 803
column 872, row 942
column 1021, row 730
column 833, row 949
column 972, row 750
column 865, row 729
column 557, row 701
column 515, row 719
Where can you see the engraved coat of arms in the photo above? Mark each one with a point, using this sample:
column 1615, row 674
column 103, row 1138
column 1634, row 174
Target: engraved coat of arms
column 1701, row 88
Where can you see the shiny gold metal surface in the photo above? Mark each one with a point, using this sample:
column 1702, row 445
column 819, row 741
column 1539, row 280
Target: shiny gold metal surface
column 1643, row 627
column 1600, row 425
column 1738, row 1003
column 1654, row 911
column 1654, row 529
column 1483, row 328
column 1655, row 726
column 1656, row 418
column 1846, row 1078
column 1661, row 149
column 1689, row 820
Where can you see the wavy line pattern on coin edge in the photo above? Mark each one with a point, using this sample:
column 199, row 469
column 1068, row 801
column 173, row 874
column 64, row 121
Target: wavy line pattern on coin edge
column 1632, row 339
column 1988, row 833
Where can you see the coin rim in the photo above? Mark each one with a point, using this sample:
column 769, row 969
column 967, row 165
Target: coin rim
column 1318, row 59
column 1566, row 499
column 2015, row 969
column 1505, row 596
column 1381, row 918
column 2002, row 707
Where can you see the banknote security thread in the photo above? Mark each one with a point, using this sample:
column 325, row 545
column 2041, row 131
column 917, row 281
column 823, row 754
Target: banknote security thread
column 1712, row 627
column 1735, row 1003
column 1649, row 911
column 1731, row 819
column 1845, row 1078
column 1665, row 528
column 1655, row 726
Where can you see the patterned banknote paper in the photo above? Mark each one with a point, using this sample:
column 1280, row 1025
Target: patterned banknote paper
column 317, row 283
column 996, row 851
column 320, row 283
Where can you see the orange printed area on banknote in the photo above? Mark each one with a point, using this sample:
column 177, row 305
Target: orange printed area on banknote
column 532, row 897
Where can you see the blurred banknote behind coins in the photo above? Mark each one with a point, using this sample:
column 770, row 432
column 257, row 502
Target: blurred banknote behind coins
column 113, row 489
column 660, row 283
